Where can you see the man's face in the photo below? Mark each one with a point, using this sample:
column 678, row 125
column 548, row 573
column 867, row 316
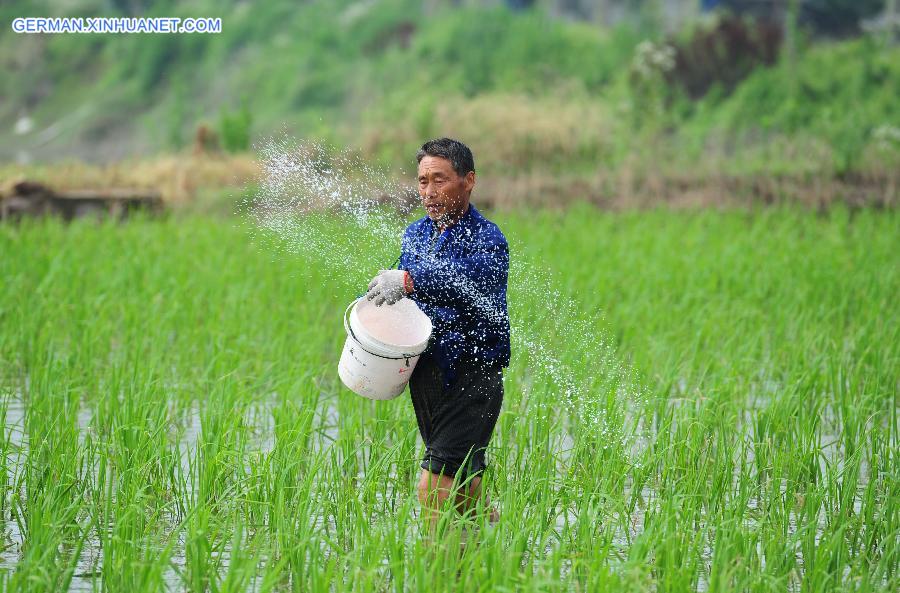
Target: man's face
column 445, row 194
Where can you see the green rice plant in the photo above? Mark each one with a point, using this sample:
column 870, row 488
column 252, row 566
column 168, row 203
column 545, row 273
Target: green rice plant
column 697, row 399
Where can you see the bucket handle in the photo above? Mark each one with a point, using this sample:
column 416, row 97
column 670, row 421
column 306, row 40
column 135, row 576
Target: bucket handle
column 404, row 356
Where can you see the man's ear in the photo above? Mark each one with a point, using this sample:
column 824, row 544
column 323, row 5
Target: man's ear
column 469, row 181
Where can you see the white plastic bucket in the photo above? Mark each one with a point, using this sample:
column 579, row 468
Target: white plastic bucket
column 382, row 347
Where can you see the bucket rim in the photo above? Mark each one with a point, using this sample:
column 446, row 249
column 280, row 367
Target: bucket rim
column 383, row 350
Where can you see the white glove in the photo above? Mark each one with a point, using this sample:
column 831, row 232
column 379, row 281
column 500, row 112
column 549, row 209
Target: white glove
column 389, row 286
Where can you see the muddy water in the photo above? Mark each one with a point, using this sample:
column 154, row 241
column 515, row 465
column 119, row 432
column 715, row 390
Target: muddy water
column 259, row 421
column 89, row 565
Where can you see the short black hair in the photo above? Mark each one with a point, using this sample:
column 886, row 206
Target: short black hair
column 454, row 151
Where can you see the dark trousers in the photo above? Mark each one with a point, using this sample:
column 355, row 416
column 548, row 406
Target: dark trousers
column 456, row 422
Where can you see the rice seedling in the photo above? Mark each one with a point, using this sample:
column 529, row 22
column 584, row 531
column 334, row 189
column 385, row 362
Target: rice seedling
column 697, row 400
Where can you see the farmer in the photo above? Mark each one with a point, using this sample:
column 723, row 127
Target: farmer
column 454, row 264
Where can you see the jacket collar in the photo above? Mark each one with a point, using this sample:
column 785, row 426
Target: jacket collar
column 471, row 216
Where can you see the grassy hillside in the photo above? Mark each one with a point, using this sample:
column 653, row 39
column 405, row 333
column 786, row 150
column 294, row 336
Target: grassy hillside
column 529, row 93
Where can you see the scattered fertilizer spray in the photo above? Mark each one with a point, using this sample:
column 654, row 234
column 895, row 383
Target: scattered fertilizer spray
column 324, row 203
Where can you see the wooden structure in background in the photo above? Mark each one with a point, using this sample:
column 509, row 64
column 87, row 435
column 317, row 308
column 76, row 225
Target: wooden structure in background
column 29, row 198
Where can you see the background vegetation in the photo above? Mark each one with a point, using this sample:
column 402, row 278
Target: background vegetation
column 539, row 98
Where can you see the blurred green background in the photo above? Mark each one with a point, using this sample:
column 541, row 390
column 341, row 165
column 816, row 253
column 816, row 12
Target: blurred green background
column 558, row 97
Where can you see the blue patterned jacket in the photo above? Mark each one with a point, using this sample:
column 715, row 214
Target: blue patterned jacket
column 459, row 281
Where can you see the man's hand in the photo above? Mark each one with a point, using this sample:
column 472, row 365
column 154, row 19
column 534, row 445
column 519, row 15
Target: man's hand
column 389, row 286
